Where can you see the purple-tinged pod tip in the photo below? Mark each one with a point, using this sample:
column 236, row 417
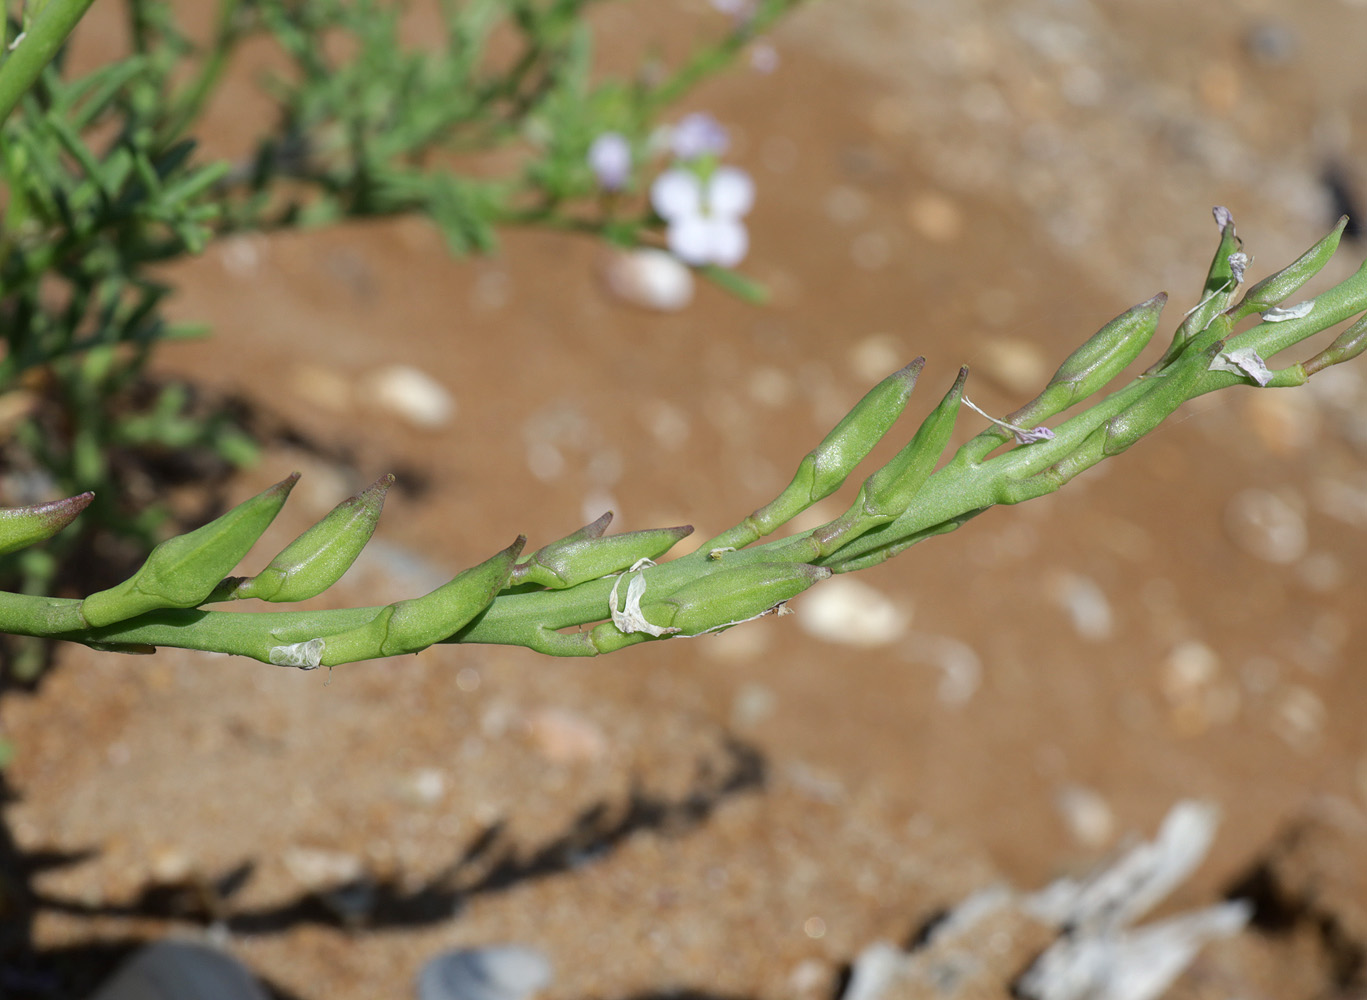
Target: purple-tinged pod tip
column 22, row 526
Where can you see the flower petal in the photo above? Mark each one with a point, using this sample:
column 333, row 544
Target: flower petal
column 698, row 134
column 610, row 160
column 690, row 239
column 676, row 194
column 730, row 192
column 729, row 241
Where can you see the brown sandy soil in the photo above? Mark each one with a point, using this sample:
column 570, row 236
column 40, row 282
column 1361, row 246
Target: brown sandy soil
column 739, row 816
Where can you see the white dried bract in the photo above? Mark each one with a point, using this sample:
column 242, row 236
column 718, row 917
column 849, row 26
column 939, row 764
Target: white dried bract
column 1242, row 361
column 305, row 655
column 1280, row 314
column 1238, row 263
column 630, row 619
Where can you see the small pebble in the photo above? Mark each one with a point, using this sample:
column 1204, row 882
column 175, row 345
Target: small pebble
column 565, row 737
column 1197, row 697
column 1087, row 815
column 876, row 357
column 935, row 216
column 1086, row 604
column 411, row 395
column 850, row 612
column 961, row 669
column 1284, row 422
column 1190, row 667
column 1016, row 365
column 170, row 865
column 668, row 424
column 845, row 204
column 649, row 278
column 1299, row 718
column 425, row 786
column 770, row 387
column 1322, row 572
column 1265, row 525
column 499, row 972
column 1271, row 42
column 317, row 869
column 322, row 388
column 752, row 705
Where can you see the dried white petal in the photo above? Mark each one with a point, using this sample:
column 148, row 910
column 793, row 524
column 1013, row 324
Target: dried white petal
column 1238, row 262
column 1023, row 435
column 1132, row 965
column 1279, row 314
column 1223, row 216
column 630, row 619
column 1242, row 361
column 1118, row 895
column 304, row 655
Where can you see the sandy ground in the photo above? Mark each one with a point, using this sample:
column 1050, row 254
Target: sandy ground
column 739, row 817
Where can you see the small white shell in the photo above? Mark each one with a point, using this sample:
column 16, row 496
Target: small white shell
column 652, row 279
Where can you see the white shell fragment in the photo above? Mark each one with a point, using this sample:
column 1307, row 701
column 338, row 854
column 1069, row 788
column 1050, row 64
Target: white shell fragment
column 1135, row 965
column 1242, row 361
column 499, row 972
column 1096, row 954
column 412, row 396
column 304, row 655
column 1117, row 896
column 1265, row 525
column 651, row 279
column 850, row 612
column 1279, row 314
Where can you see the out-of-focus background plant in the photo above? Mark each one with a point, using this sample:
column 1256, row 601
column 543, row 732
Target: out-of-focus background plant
column 501, row 119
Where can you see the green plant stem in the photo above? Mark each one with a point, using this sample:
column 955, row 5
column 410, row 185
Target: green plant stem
column 38, row 47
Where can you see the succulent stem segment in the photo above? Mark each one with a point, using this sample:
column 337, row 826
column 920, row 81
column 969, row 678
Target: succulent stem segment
column 591, row 592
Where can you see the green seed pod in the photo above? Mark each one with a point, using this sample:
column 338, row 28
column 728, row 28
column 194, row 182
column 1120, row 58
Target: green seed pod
column 826, row 467
column 1221, row 283
column 586, row 555
column 316, row 560
column 890, row 491
column 1346, row 346
column 1277, row 287
column 183, row 571
column 1105, row 355
column 22, row 526
column 731, row 596
column 412, row 625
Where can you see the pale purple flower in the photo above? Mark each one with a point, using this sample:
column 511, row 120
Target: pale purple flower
column 698, row 134
column 610, row 160
column 704, row 217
